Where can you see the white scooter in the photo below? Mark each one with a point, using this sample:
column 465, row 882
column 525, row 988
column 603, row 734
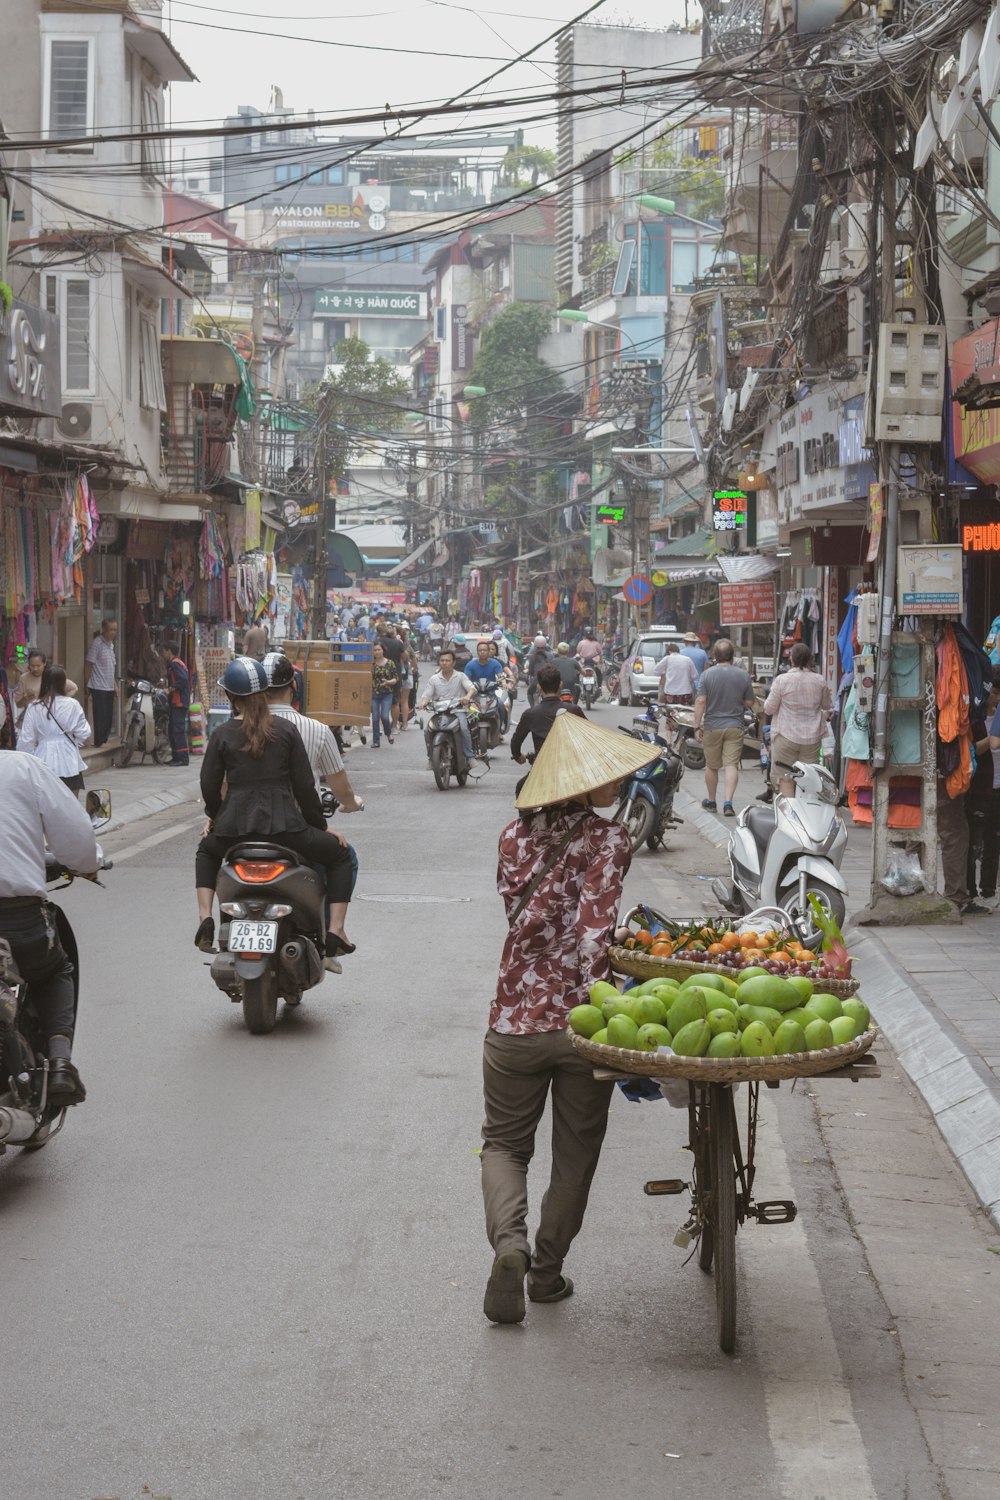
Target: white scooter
column 779, row 854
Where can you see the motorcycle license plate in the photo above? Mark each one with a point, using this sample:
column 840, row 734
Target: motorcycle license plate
column 253, row 937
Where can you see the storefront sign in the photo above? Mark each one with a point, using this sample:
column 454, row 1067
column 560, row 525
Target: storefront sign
column 976, row 434
column 370, row 304
column 729, row 510
column 610, row 515
column 855, row 458
column 981, row 538
column 876, row 511
column 809, row 472
column 747, row 603
column 929, row 580
column 29, row 361
column 660, row 580
column 460, row 356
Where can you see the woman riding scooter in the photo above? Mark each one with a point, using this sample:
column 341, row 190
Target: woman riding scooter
column 270, row 794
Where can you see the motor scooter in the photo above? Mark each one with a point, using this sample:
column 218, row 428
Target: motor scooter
column 28, row 1117
column 447, row 755
column 589, row 691
column 781, row 854
column 147, row 723
column 487, row 705
column 646, row 806
column 272, row 934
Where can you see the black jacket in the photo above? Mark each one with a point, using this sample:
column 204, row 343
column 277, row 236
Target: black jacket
column 538, row 721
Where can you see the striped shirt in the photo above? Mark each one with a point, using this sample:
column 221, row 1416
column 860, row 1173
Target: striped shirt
column 321, row 747
column 798, row 703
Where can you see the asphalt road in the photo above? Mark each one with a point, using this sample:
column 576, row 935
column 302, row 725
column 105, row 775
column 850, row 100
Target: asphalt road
column 252, row 1268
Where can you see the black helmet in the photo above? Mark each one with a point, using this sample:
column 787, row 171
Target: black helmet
column 278, row 669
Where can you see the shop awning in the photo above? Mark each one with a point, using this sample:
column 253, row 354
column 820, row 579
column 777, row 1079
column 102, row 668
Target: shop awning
column 611, row 567
column 524, row 556
column 412, row 558
column 346, row 549
column 152, row 278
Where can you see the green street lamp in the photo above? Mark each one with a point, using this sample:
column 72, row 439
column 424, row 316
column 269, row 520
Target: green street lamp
column 658, row 205
column 474, row 390
column 573, row 315
column 577, row 315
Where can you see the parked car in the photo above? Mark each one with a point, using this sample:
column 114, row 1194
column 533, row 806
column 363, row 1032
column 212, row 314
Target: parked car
column 638, row 679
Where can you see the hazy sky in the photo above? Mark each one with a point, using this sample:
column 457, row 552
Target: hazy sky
column 241, row 65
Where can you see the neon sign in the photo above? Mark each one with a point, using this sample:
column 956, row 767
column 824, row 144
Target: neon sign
column 981, row 538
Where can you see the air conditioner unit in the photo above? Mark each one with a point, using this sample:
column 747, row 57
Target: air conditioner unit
column 75, row 420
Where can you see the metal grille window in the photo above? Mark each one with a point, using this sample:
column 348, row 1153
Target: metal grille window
column 69, row 88
column 151, row 393
column 77, row 374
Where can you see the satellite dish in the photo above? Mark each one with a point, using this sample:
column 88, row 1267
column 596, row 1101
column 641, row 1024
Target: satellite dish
column 728, row 410
column 926, row 139
column 968, row 53
column 955, row 106
column 749, row 386
column 989, row 58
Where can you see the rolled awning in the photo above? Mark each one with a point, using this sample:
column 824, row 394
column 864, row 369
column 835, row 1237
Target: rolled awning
column 412, row 558
column 347, row 550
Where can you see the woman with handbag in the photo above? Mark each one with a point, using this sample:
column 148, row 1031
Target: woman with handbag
column 560, row 874
column 54, row 727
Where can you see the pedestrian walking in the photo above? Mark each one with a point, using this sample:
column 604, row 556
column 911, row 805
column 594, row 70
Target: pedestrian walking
column 100, row 672
column 693, row 648
column 385, row 680
column 724, row 693
column 179, row 688
column 678, row 676
column 800, row 706
column 560, row 873
column 54, row 728
column 255, row 642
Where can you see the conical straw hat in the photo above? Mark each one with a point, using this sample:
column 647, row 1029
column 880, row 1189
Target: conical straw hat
column 578, row 757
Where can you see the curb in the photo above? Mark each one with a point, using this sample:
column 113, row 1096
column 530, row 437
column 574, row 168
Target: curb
column 148, row 807
column 957, row 1087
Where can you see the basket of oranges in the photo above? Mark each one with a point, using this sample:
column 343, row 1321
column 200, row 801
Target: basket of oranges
column 651, row 944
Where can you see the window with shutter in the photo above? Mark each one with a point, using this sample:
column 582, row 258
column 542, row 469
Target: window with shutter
column 152, row 150
column 69, row 88
column 78, row 370
column 151, row 393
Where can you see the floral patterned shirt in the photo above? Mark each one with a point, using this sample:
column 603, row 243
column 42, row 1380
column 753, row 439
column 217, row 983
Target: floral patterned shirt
column 558, row 945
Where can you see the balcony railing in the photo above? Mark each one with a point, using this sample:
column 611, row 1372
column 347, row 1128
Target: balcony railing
column 598, row 284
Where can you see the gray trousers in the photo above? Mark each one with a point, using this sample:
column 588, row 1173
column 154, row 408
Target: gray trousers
column 953, row 837
column 518, row 1074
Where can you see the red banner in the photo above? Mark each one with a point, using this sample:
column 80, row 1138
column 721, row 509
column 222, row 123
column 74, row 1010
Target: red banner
column 747, row 603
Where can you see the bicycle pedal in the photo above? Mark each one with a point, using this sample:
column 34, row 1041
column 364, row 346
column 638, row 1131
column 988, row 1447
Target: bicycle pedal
column 776, row 1211
column 662, row 1186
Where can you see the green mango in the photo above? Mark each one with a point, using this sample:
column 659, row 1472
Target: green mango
column 826, row 1007
column 801, row 1017
column 693, row 1039
column 818, row 1035
column 756, row 1040
column 770, row 1018
column 648, row 987
column 704, row 981
column 622, row 1032
column 858, row 1012
column 649, row 1010
column 653, row 1036
column 614, row 1005
column 790, row 1037
column 600, row 991
column 601, row 1037
column 753, row 972
column 770, row 990
column 725, row 1002
column 720, row 1020
column 689, row 1006
column 585, row 1020
column 844, row 1029
column 725, row 1044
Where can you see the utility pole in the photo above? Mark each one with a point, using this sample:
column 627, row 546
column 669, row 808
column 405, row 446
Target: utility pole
column 325, row 518
column 893, row 491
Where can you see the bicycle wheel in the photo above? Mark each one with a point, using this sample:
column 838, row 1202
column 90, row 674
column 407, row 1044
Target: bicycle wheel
column 702, row 1148
column 724, row 1213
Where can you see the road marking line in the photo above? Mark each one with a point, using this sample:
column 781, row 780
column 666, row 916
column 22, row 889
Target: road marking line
column 117, row 855
column 817, row 1444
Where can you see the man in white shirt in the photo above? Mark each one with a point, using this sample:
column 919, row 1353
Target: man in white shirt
column 99, row 673
column 39, row 810
column 678, row 676
column 321, row 747
column 448, row 687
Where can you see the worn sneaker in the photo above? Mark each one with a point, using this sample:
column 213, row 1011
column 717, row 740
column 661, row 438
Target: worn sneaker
column 504, row 1300
column 974, row 909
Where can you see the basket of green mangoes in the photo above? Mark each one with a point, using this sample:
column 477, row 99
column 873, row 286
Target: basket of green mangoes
column 712, row 1028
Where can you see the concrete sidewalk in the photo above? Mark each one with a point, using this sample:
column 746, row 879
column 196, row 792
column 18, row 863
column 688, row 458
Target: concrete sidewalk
column 140, row 791
column 932, row 990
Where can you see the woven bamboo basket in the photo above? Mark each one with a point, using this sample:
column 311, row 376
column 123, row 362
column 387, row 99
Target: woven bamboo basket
column 723, row 1069
column 644, row 966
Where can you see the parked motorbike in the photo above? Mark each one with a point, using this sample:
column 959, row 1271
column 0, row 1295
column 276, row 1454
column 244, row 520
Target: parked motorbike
column 272, row 937
column 589, row 691
column 646, row 806
column 487, row 705
column 147, row 723
column 780, row 854
column 683, row 737
column 446, row 753
column 28, row 1118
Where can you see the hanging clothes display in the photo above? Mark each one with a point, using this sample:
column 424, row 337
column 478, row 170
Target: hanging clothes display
column 801, row 620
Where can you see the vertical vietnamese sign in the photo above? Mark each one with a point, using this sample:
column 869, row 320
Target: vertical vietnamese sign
column 460, row 337
column 876, row 510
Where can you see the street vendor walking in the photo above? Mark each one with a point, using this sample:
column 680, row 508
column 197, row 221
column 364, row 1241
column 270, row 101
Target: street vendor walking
column 560, row 873
column 179, row 685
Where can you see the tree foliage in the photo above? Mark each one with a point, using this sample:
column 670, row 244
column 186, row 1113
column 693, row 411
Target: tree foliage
column 363, row 396
column 695, row 183
column 509, row 367
column 524, row 165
